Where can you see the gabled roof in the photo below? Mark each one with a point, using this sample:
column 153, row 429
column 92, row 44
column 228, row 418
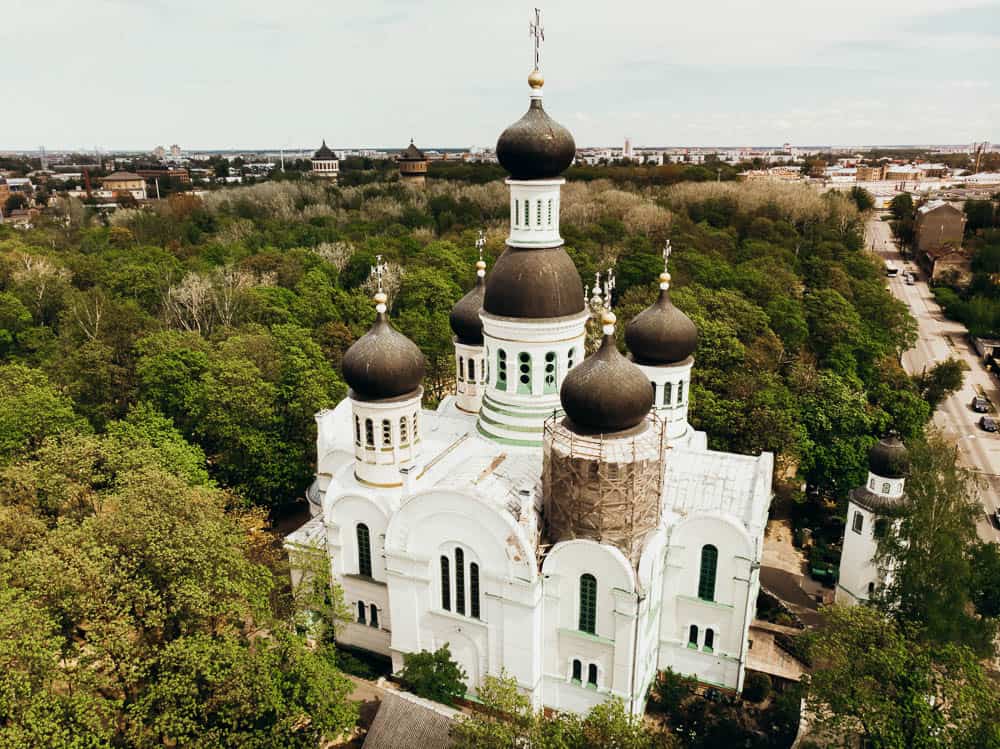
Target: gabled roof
column 935, row 205
column 404, row 720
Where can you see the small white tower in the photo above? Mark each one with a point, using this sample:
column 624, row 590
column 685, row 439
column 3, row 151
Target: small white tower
column 470, row 358
column 325, row 163
column 384, row 370
column 662, row 340
column 871, row 510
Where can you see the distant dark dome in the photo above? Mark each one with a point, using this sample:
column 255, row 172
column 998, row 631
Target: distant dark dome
column 412, row 153
column 383, row 363
column 605, row 393
column 889, row 458
column 536, row 146
column 324, row 153
column 464, row 318
column 661, row 333
column 538, row 283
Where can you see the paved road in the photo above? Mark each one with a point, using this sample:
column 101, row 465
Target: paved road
column 938, row 339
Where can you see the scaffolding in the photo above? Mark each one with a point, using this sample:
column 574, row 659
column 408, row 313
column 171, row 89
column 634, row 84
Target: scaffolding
column 603, row 487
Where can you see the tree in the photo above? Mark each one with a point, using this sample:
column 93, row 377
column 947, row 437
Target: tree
column 871, row 677
column 433, row 675
column 15, row 202
column 979, row 215
column 756, row 687
column 941, row 380
column 986, row 579
column 930, row 550
column 901, row 206
column 30, row 410
column 863, row 199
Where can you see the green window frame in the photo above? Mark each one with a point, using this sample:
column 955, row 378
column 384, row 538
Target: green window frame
column 364, row 550
column 706, row 577
column 709, row 641
column 588, row 603
column 524, row 372
column 551, row 375
column 577, row 674
column 693, row 636
column 501, row 369
column 592, row 675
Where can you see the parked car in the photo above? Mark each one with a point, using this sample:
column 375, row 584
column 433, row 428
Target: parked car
column 988, row 424
column 910, row 279
column 980, row 405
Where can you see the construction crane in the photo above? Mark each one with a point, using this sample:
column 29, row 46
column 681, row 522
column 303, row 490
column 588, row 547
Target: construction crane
column 977, row 155
column 86, row 181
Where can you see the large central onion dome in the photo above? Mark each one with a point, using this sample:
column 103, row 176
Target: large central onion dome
column 536, row 146
column 889, row 458
column 464, row 317
column 383, row 363
column 661, row 333
column 606, row 393
column 534, row 283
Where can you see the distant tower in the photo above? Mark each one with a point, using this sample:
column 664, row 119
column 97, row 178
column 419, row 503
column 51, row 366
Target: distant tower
column 43, row 158
column 627, row 152
column 872, row 508
column 413, row 165
column 325, row 163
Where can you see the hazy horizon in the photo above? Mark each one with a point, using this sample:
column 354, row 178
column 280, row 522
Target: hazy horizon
column 133, row 74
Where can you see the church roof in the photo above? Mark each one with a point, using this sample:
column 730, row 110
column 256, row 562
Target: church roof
column 412, row 153
column 407, row 720
column 324, row 153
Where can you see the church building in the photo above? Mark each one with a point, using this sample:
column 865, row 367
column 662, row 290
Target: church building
column 556, row 517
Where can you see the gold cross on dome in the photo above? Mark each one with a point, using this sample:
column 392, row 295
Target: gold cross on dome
column 537, row 32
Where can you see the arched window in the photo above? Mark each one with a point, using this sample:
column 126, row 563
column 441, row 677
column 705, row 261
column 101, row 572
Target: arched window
column 858, row 523
column 577, row 670
column 357, row 430
column 445, row 584
column 592, row 674
column 693, row 636
column 886, row 488
column 680, row 392
column 550, row 372
column 459, row 582
column 524, row 372
column 706, row 578
column 709, row 640
column 361, row 612
column 386, row 433
column 472, row 370
column 667, row 393
column 871, row 484
column 461, row 369
column 588, row 603
column 871, row 589
column 373, row 616
column 474, row 590
column 501, row 369
column 364, row 551
column 404, row 432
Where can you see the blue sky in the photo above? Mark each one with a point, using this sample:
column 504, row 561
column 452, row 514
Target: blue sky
column 250, row 73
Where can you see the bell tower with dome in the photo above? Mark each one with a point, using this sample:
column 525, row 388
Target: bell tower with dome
column 534, row 314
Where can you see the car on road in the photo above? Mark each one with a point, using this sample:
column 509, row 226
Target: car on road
column 909, row 278
column 988, row 424
column 980, row 405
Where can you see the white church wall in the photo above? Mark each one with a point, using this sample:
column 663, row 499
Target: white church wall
column 857, row 567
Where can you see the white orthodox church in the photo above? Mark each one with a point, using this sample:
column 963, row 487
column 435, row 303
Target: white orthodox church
column 557, row 517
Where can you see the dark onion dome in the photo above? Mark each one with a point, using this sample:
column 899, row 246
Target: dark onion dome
column 661, row 333
column 605, row 393
column 536, row 146
column 534, row 283
column 412, row 153
column 464, row 317
column 383, row 363
column 324, row 153
column 889, row 458
column 877, row 503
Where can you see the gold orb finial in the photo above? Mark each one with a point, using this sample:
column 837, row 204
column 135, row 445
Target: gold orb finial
column 535, row 79
column 480, row 265
column 608, row 317
column 381, row 298
column 664, row 277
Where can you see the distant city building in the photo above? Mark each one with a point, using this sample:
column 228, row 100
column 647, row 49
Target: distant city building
column 120, row 183
column 939, row 224
column 627, row 152
column 870, row 173
column 175, row 151
column 325, row 163
column 413, row 165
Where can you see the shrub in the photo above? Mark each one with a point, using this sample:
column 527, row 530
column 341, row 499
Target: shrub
column 433, row 675
column 757, row 687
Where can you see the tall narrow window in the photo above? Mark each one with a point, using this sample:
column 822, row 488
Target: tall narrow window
column 667, row 393
column 404, row 432
column 527, row 215
column 501, row 369
column 445, row 584
column 459, row 582
column 461, row 369
column 871, row 589
column 550, row 372
column 386, row 433
column 474, row 590
column 570, row 358
column 364, row 551
column 706, row 579
column 693, row 636
column 373, row 616
column 472, row 370
column 550, row 211
column 538, row 213
column 709, row 640
column 361, row 612
column 357, row 430
column 592, row 675
column 577, row 670
column 654, row 392
column 886, row 488
column 588, row 603
column 416, row 425
column 680, row 392
column 369, row 433
column 859, row 522
column 524, row 372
